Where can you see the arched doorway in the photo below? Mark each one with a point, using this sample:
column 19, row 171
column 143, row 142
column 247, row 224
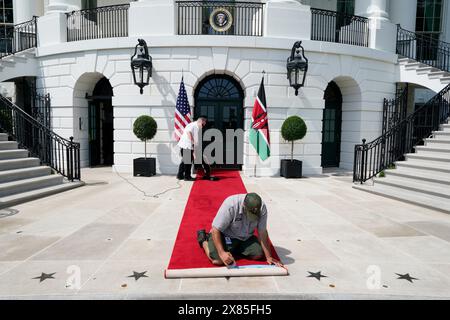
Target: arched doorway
column 101, row 125
column 332, row 127
column 220, row 99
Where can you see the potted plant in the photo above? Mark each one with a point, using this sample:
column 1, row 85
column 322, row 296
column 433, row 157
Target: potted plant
column 293, row 129
column 145, row 128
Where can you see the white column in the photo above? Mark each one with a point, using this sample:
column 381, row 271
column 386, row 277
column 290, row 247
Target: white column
column 372, row 8
column 63, row 5
column 24, row 10
column 287, row 19
column 383, row 33
column 52, row 27
column 404, row 12
column 446, row 21
column 152, row 17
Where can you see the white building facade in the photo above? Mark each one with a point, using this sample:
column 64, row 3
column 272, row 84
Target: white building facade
column 83, row 62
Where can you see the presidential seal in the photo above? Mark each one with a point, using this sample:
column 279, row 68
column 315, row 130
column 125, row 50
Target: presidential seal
column 221, row 20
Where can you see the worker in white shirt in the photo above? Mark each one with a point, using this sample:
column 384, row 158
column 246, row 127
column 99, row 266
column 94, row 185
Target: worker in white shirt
column 188, row 141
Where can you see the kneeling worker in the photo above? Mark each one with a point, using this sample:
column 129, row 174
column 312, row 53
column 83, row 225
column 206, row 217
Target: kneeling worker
column 233, row 232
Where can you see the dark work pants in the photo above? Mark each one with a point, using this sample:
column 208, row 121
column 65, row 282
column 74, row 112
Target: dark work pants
column 187, row 158
column 184, row 170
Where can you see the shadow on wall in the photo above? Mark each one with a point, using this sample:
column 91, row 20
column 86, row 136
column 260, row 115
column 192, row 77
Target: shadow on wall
column 164, row 88
column 165, row 155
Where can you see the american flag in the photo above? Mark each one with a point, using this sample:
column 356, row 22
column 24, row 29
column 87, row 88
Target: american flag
column 182, row 112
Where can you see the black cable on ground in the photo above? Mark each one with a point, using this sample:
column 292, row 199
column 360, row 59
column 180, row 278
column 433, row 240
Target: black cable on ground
column 155, row 196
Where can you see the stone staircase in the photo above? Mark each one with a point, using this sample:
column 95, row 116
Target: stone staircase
column 22, row 178
column 423, row 178
column 21, row 64
column 429, row 77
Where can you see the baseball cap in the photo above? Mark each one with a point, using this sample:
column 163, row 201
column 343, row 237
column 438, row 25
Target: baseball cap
column 252, row 206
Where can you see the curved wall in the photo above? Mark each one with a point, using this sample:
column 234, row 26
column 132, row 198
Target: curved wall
column 365, row 77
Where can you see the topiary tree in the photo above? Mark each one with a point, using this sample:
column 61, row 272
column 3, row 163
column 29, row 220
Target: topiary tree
column 293, row 129
column 144, row 129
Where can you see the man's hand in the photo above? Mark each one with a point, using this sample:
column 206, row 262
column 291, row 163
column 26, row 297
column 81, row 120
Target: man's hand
column 227, row 258
column 274, row 262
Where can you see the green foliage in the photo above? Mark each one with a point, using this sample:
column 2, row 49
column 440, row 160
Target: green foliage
column 293, row 129
column 145, row 128
column 382, row 174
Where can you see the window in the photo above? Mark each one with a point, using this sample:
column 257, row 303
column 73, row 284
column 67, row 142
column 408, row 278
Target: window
column 429, row 14
column 346, row 6
column 6, row 25
column 89, row 4
column 428, row 23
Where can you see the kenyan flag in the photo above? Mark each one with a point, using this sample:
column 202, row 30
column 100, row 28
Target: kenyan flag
column 259, row 133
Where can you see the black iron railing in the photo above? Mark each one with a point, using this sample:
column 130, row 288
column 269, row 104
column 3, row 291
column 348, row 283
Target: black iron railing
column 332, row 26
column 98, row 23
column 19, row 38
column 374, row 157
column 395, row 110
column 41, row 108
column 240, row 19
column 60, row 154
column 424, row 47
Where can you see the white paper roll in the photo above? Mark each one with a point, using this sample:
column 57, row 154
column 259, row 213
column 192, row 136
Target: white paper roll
column 245, row 271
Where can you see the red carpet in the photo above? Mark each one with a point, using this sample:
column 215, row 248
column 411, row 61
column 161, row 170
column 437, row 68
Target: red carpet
column 204, row 201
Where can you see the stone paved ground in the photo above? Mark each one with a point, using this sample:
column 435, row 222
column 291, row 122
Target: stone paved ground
column 108, row 229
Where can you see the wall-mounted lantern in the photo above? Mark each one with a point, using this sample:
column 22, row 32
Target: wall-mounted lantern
column 141, row 65
column 297, row 67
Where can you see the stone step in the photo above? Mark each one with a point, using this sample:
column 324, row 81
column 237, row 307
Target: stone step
column 441, row 135
column 25, row 185
column 433, row 168
column 7, row 62
column 433, row 159
column 415, row 65
column 438, row 74
column 432, row 149
column 416, row 186
column 446, row 127
column 419, row 175
column 18, row 163
column 435, row 141
column 24, row 173
column 3, row 137
column 8, row 145
column 445, row 80
column 438, row 144
column 18, row 59
column 427, row 69
column 13, row 154
column 16, row 199
column 405, row 61
column 412, row 197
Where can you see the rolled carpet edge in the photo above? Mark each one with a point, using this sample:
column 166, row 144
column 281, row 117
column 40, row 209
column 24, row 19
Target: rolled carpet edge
column 246, row 271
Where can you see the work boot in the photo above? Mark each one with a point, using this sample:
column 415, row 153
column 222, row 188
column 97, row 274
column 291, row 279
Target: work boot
column 210, row 178
column 201, row 237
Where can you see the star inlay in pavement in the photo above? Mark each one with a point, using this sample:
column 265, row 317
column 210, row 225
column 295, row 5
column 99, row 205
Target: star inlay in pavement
column 138, row 275
column 406, row 277
column 316, row 275
column 45, row 276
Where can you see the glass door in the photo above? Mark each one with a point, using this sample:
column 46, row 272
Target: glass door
column 94, row 137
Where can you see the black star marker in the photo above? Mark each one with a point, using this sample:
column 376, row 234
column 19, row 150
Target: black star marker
column 406, row 277
column 45, row 276
column 317, row 275
column 138, row 275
